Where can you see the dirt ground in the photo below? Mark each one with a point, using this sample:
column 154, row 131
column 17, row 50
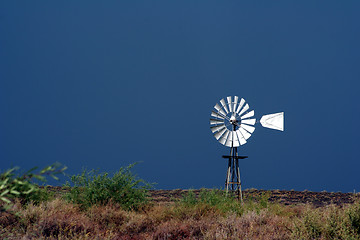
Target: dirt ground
column 318, row 199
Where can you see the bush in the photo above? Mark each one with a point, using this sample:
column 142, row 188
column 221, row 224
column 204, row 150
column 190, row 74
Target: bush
column 331, row 222
column 23, row 186
column 216, row 199
column 124, row 188
column 354, row 217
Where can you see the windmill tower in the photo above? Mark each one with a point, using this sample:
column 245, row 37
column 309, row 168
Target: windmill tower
column 232, row 123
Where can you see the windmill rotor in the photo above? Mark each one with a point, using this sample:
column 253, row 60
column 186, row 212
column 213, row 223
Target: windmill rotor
column 232, row 122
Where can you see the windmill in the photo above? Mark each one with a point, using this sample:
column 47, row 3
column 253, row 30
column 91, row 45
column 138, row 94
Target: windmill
column 232, row 123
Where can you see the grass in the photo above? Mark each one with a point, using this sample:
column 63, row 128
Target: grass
column 100, row 206
column 212, row 215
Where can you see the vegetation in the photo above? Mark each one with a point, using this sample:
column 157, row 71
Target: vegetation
column 23, row 187
column 102, row 207
column 123, row 188
column 221, row 202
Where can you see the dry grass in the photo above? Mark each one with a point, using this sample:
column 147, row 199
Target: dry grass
column 58, row 219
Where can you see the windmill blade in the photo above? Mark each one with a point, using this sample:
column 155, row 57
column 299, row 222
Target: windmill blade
column 244, row 109
column 242, row 101
column 222, row 101
column 224, row 137
column 215, row 121
column 248, row 115
column 244, row 133
column 229, row 140
column 218, row 108
column 217, row 128
column 242, row 140
column 222, row 140
column 273, row 121
column 220, row 133
column 229, row 103
column 217, row 115
column 236, row 98
column 249, row 121
column 248, row 128
column 236, row 142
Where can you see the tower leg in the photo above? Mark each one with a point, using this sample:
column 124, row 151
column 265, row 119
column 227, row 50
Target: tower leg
column 240, row 197
column 228, row 176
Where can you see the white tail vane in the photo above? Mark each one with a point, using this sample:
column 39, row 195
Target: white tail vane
column 273, row 121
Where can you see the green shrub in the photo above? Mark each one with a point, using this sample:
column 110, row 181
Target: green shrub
column 330, row 222
column 223, row 203
column 313, row 225
column 218, row 200
column 23, row 186
column 189, row 199
column 354, row 217
column 124, row 188
column 257, row 203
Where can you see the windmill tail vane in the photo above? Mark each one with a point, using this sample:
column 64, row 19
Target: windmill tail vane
column 273, row 121
column 232, row 124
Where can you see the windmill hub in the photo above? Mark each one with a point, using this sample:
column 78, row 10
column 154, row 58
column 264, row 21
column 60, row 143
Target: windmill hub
column 233, row 120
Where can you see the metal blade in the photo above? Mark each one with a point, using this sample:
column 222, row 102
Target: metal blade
column 217, row 128
column 236, row 142
column 228, row 142
column 215, row 121
column 242, row 101
column 244, row 109
column 218, row 108
column 249, row 114
column 229, row 103
column 248, row 128
column 220, row 133
column 273, row 121
column 214, row 114
column 235, row 137
column 236, row 98
column 241, row 137
column 244, row 133
column 224, row 137
column 249, row 121
column 222, row 101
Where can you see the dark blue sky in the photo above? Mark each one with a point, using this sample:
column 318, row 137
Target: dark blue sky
column 105, row 84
